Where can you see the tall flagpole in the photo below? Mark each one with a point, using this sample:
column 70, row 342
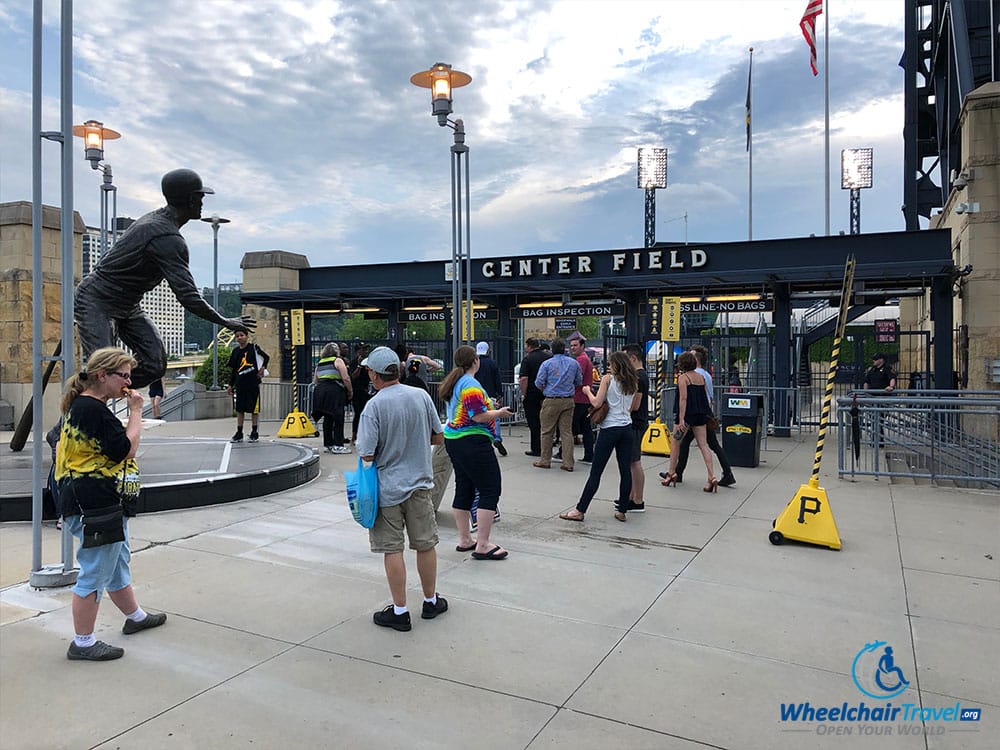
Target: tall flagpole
column 750, row 146
column 826, row 86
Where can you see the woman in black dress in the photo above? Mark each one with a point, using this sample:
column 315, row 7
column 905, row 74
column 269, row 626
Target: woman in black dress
column 691, row 412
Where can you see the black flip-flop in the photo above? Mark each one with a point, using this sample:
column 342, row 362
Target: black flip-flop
column 491, row 555
column 460, row 548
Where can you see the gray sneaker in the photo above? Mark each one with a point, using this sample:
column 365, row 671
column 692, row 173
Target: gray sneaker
column 100, row 651
column 151, row 621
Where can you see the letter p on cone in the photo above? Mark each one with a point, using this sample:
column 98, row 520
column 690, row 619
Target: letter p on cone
column 656, row 441
column 807, row 518
column 297, row 425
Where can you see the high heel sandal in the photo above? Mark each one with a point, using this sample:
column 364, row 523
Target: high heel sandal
column 712, row 486
column 669, row 480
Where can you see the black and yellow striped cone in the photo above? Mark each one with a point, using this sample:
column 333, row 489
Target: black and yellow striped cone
column 807, row 518
column 296, row 424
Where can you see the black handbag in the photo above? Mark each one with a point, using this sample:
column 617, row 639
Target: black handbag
column 103, row 526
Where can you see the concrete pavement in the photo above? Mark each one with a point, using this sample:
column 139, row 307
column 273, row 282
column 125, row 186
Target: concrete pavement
column 681, row 628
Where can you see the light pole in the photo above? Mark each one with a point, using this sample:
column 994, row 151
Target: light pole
column 652, row 175
column 855, row 174
column 441, row 79
column 94, row 134
column 215, row 220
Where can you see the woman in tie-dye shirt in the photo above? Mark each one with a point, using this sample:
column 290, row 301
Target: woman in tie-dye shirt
column 469, row 434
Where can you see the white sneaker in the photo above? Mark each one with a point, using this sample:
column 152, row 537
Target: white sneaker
column 341, row 449
column 328, row 449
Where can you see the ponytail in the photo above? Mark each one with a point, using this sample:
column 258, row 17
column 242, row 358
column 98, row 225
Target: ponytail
column 465, row 357
column 76, row 385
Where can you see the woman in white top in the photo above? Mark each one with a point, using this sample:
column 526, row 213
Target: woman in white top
column 620, row 389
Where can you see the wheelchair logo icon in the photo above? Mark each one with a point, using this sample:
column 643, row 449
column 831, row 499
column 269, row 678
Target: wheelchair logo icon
column 876, row 673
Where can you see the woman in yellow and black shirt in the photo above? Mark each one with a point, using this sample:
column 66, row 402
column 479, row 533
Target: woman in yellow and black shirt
column 98, row 483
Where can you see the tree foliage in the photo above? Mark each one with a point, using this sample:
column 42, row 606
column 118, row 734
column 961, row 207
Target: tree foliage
column 204, row 372
column 198, row 330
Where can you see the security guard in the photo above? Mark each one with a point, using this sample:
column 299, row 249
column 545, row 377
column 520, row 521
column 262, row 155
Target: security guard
column 880, row 375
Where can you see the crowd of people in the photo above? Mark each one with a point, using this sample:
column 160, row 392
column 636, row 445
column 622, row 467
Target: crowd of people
column 95, row 480
column 398, row 426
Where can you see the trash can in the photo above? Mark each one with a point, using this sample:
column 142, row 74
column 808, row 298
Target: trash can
column 741, row 416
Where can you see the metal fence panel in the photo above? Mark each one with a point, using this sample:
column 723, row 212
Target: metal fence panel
column 944, row 437
column 277, row 400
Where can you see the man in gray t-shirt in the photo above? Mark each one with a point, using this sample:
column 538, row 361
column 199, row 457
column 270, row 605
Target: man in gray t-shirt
column 397, row 429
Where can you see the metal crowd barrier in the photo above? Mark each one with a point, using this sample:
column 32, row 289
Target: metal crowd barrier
column 944, row 437
column 278, row 399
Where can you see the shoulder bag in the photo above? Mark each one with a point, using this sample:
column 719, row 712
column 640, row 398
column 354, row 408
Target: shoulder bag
column 597, row 414
column 103, row 526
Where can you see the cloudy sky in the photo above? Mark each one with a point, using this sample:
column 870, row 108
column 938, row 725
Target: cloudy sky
column 301, row 115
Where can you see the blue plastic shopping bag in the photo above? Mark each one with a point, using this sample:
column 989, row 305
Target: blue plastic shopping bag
column 362, row 493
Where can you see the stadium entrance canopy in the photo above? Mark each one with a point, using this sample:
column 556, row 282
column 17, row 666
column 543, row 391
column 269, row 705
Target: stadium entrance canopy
column 784, row 273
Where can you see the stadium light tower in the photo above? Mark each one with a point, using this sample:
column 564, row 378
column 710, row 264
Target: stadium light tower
column 652, row 175
column 855, row 174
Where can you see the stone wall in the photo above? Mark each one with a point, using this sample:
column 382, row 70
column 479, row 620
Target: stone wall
column 975, row 236
column 16, row 301
column 275, row 270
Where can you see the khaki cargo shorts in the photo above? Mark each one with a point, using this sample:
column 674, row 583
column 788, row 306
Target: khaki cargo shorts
column 415, row 515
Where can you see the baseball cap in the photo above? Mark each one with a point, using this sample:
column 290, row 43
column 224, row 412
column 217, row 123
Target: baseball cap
column 482, row 347
column 381, row 359
column 880, row 355
column 178, row 184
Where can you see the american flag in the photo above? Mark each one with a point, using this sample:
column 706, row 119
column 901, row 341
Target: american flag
column 808, row 26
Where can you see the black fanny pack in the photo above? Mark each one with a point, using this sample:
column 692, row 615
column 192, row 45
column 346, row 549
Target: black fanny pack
column 103, row 526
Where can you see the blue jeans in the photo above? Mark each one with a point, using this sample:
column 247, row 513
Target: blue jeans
column 619, row 440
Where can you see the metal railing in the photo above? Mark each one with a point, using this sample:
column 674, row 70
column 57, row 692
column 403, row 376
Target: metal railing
column 944, row 437
column 278, row 399
column 171, row 406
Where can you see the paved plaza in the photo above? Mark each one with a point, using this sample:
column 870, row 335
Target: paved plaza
column 682, row 628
